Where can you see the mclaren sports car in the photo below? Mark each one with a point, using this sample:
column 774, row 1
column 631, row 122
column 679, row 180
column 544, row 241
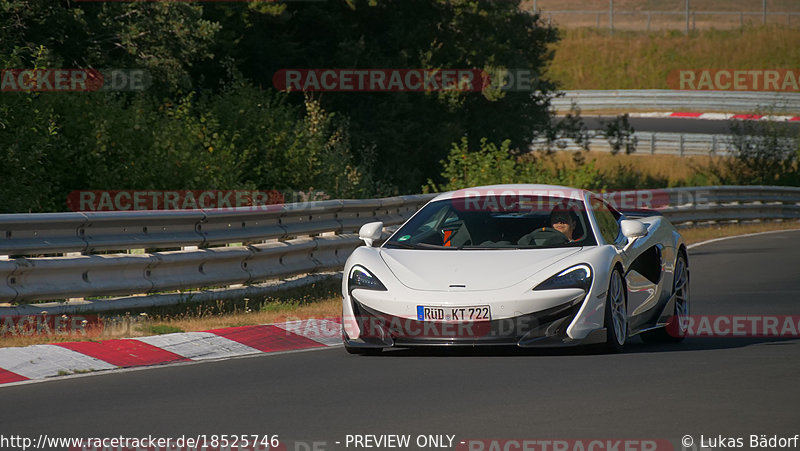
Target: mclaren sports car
column 519, row 265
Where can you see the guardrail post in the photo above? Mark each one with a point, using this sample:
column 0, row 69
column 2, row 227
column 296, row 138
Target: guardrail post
column 713, row 145
column 741, row 19
column 687, row 17
column 611, row 16
column 652, row 144
column 681, row 154
column 648, row 21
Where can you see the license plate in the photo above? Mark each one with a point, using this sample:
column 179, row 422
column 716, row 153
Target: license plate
column 471, row 313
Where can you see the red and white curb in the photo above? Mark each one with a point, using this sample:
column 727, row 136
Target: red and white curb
column 58, row 359
column 718, row 116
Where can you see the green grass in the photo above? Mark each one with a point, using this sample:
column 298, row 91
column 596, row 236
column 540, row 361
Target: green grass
column 591, row 59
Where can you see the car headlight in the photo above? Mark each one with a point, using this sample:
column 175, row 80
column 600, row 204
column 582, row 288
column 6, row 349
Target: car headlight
column 579, row 276
column 361, row 278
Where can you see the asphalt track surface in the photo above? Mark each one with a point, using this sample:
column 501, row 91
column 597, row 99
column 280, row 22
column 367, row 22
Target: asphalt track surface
column 710, row 386
column 677, row 125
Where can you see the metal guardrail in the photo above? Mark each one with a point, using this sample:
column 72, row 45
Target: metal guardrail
column 185, row 249
column 90, row 232
column 713, row 204
column 236, row 250
column 675, row 100
column 651, row 143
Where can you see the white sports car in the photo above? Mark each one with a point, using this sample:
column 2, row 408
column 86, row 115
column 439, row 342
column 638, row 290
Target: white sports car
column 525, row 265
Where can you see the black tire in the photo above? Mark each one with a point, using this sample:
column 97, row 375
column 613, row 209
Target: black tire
column 616, row 313
column 675, row 330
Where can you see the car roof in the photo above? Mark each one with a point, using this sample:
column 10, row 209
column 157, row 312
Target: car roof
column 516, row 190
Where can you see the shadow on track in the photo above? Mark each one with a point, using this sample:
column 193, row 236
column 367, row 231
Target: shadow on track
column 635, row 347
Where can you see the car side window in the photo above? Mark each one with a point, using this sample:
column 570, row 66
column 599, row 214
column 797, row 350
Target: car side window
column 606, row 221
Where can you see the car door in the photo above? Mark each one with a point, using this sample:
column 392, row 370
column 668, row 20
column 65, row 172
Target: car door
column 642, row 262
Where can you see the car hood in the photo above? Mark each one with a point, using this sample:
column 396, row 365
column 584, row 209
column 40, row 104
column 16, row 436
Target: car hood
column 469, row 270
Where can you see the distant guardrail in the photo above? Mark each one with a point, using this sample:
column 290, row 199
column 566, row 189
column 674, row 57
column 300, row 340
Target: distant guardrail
column 65, row 255
column 675, row 100
column 652, row 143
column 714, row 204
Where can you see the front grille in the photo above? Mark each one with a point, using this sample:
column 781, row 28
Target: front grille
column 551, row 323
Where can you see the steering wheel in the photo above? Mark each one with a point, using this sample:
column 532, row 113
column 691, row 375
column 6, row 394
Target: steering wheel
column 547, row 236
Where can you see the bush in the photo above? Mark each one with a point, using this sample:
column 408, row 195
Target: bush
column 762, row 153
column 492, row 164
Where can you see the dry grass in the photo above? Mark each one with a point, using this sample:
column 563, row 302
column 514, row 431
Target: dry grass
column 588, row 59
column 327, row 308
column 320, row 299
column 661, row 170
column 139, row 326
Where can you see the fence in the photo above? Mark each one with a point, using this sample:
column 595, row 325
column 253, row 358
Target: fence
column 675, row 100
column 60, row 255
column 685, row 18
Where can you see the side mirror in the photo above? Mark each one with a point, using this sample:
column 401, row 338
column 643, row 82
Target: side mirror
column 370, row 232
column 633, row 229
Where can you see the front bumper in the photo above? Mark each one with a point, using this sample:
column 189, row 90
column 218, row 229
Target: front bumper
column 546, row 328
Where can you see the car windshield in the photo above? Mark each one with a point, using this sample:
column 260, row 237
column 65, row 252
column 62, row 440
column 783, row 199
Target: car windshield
column 486, row 222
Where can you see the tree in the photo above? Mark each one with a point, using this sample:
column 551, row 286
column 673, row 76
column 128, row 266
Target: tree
column 409, row 131
column 165, row 38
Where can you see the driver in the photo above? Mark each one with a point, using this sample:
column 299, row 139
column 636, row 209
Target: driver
column 563, row 219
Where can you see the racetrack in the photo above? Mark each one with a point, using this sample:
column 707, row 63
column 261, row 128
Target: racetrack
column 710, row 386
